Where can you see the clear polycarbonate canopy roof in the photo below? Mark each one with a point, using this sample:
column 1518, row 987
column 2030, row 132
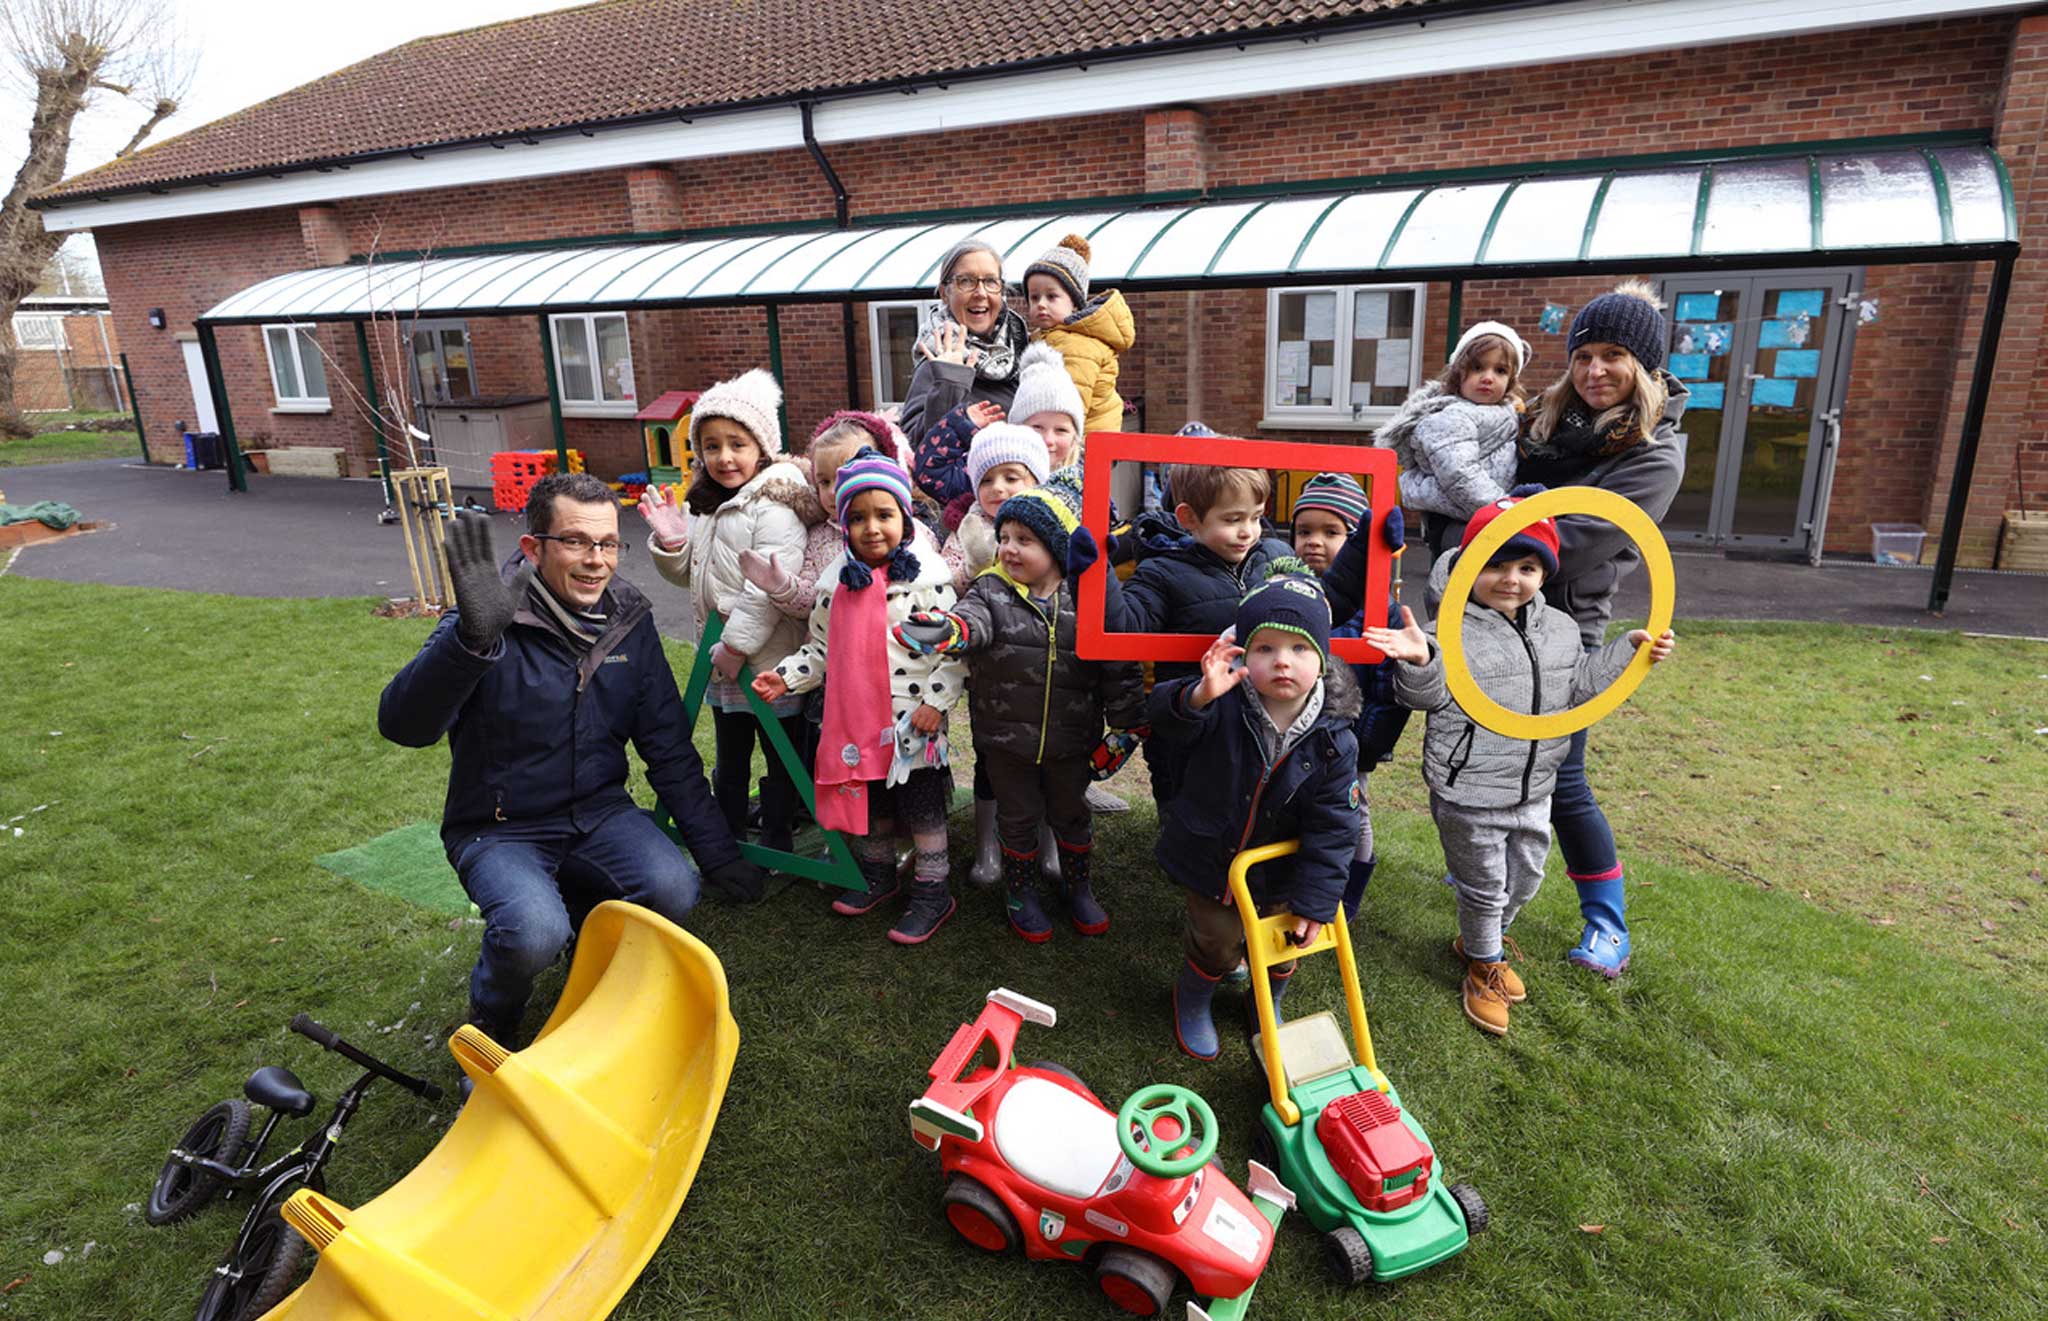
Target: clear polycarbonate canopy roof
column 1832, row 206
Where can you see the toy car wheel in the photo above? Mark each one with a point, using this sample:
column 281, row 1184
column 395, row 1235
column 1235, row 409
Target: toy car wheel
column 219, row 1134
column 1264, row 1150
column 1047, row 1066
column 1350, row 1259
column 979, row 1216
column 1136, row 1281
column 1473, row 1205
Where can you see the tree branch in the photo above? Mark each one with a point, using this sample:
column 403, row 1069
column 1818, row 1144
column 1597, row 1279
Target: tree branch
column 163, row 110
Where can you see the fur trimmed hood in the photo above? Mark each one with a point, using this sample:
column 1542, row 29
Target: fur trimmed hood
column 787, row 482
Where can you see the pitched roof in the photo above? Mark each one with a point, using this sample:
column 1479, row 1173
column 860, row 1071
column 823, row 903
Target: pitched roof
column 626, row 59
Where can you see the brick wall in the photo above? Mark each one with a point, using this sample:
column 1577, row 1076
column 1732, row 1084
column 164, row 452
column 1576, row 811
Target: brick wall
column 1204, row 354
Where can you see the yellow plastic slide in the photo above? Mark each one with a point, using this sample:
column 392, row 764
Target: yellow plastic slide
column 563, row 1173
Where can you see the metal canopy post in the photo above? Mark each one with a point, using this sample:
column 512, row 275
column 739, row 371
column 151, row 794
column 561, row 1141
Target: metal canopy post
column 135, row 408
column 1973, row 430
column 376, row 413
column 217, row 386
column 775, row 366
column 1456, row 318
column 547, row 362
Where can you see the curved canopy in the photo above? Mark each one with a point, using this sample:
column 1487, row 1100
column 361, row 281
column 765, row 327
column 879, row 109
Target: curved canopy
column 1930, row 202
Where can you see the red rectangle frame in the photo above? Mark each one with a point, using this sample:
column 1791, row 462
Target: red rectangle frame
column 1093, row 641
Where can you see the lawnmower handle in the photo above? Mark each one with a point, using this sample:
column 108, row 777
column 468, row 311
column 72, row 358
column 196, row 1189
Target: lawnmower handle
column 327, row 1038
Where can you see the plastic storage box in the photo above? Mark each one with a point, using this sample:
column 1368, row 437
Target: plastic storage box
column 1896, row 543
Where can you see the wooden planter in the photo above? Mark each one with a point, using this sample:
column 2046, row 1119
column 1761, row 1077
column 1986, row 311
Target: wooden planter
column 2024, row 543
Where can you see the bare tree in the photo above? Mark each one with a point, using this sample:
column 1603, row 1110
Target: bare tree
column 72, row 53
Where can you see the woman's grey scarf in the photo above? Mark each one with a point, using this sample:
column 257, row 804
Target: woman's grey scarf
column 999, row 353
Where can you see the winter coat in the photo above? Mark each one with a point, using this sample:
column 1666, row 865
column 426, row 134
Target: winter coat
column 769, row 515
column 1530, row 663
column 1032, row 696
column 1181, row 586
column 971, row 548
column 914, row 680
column 537, row 729
column 936, row 389
column 1234, row 796
column 939, row 464
column 1456, row 456
column 1594, row 556
column 1091, row 341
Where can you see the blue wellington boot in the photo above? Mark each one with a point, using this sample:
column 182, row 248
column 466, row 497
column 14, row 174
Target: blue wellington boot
column 1278, row 983
column 1354, row 888
column 1193, row 1028
column 1603, row 946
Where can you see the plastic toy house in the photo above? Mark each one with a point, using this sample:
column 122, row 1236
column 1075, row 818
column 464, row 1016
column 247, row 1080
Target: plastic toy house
column 665, row 426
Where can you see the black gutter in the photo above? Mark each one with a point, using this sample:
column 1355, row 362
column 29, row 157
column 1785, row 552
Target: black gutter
column 1308, row 31
column 842, row 212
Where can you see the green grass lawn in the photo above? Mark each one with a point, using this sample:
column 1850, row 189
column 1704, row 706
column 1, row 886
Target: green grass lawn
column 1817, row 1093
column 70, row 447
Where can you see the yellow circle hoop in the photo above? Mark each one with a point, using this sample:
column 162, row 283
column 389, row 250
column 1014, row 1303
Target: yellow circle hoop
column 1587, row 500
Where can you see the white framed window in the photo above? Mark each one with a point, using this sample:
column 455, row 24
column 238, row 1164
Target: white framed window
column 39, row 331
column 594, row 364
column 893, row 329
column 1341, row 357
column 297, row 372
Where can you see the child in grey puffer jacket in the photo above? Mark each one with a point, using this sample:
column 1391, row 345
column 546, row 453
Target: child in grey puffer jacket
column 1455, row 436
column 1490, row 794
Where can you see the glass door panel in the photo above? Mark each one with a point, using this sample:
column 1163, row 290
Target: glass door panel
column 1787, row 389
column 1702, row 355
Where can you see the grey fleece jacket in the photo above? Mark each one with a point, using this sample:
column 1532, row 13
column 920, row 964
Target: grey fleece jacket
column 1531, row 663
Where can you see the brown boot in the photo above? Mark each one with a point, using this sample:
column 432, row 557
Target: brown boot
column 1510, row 984
column 1485, row 1004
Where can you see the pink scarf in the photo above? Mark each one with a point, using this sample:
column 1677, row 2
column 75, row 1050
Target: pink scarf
column 857, row 738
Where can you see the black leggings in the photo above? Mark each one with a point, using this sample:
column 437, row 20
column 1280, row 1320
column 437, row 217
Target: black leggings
column 732, row 779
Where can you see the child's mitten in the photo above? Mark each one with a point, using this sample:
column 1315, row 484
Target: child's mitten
column 764, row 573
column 927, row 632
column 1114, row 750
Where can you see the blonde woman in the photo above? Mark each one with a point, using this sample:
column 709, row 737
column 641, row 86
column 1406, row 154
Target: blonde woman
column 1611, row 421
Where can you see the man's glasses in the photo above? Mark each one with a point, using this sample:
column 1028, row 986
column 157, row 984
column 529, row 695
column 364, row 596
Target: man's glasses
column 967, row 284
column 581, row 545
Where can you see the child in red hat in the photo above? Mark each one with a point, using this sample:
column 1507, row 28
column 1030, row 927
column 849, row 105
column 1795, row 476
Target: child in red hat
column 1490, row 794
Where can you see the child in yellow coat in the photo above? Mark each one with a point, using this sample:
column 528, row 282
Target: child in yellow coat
column 1090, row 333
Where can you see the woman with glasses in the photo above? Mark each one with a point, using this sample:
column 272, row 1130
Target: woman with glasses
column 969, row 354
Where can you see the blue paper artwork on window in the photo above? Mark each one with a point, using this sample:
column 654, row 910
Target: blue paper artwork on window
column 1770, row 392
column 1797, row 362
column 1801, row 302
column 1689, row 366
column 1791, row 334
column 1551, row 320
column 1706, row 395
column 1712, row 340
column 1698, row 307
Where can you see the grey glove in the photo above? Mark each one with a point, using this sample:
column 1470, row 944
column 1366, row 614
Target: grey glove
column 483, row 602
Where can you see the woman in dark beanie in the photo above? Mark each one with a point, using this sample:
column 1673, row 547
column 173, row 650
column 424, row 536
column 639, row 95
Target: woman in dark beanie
column 1611, row 421
column 969, row 355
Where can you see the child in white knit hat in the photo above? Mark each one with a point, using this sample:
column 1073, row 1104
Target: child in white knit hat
column 1003, row 460
column 1455, row 436
column 1089, row 333
column 743, row 497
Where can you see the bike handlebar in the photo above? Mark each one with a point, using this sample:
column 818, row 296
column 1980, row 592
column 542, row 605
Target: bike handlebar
column 329, row 1040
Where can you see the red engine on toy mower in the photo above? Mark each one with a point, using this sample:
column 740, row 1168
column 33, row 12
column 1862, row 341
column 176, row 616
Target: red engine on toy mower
column 1384, row 1164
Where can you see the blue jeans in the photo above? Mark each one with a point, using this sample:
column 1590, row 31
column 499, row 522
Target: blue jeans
column 1583, row 835
column 536, row 883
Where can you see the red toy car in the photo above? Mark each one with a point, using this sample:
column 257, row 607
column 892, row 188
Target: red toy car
column 1034, row 1160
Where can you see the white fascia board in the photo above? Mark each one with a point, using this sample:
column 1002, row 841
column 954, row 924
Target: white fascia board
column 1423, row 48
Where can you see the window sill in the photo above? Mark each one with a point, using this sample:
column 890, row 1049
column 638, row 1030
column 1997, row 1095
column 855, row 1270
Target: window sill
column 1368, row 421
column 626, row 410
column 309, row 406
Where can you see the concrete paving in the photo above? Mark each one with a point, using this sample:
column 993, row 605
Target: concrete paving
column 304, row 536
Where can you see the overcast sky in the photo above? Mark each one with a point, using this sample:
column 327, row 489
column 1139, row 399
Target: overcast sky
column 249, row 52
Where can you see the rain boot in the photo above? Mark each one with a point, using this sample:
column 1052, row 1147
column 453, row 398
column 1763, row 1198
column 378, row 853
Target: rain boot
column 988, row 855
column 882, row 883
column 1277, row 983
column 929, row 907
column 1603, row 946
column 1193, row 1028
column 1082, row 910
column 1027, row 918
column 1049, row 853
column 1354, row 888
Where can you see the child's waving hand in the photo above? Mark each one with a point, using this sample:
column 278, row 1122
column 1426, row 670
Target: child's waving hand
column 1407, row 643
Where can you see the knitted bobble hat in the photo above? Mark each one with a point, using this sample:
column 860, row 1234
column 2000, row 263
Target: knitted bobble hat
column 1066, row 262
column 870, row 470
column 1631, row 316
column 1502, row 330
column 1006, row 442
column 1047, row 517
column 1538, row 539
column 1334, row 493
column 1065, row 485
column 1287, row 598
column 749, row 399
column 1043, row 386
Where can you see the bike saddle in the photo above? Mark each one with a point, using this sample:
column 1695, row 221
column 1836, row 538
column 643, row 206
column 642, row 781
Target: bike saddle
column 280, row 1089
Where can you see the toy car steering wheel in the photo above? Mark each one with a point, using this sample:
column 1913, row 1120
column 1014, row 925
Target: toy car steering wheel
column 1164, row 1100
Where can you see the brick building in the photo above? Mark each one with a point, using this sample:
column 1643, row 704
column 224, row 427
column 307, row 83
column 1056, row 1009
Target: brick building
column 670, row 123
